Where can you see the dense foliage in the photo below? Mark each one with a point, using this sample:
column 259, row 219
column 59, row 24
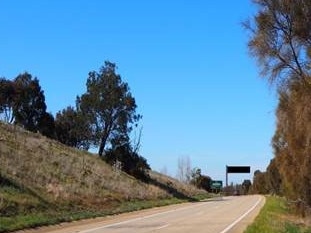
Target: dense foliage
column 72, row 129
column 23, row 102
column 126, row 159
column 104, row 116
column 199, row 180
column 281, row 43
column 108, row 107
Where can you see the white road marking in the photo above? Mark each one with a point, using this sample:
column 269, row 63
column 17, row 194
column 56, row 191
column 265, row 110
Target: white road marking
column 170, row 211
column 140, row 218
column 240, row 218
column 161, row 227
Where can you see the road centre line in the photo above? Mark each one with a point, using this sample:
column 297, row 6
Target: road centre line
column 241, row 217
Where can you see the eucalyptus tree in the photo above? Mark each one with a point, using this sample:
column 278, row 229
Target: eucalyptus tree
column 29, row 102
column 109, row 108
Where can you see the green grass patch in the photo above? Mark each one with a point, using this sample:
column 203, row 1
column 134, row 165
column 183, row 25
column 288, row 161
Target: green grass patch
column 203, row 196
column 20, row 222
column 145, row 204
column 276, row 217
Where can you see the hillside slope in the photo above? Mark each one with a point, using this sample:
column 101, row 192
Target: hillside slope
column 40, row 176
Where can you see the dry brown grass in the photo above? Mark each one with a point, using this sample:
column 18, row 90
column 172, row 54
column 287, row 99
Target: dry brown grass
column 59, row 174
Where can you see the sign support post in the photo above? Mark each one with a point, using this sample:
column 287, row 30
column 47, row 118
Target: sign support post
column 226, row 175
column 236, row 169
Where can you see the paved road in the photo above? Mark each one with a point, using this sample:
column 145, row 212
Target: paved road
column 222, row 215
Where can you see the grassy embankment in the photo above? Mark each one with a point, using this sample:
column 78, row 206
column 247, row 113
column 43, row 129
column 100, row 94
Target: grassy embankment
column 277, row 217
column 43, row 182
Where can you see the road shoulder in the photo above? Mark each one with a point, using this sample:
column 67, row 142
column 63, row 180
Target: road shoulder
column 248, row 219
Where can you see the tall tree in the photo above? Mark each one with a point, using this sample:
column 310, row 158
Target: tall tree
column 292, row 142
column 109, row 107
column 22, row 101
column 281, row 43
column 281, row 39
column 29, row 107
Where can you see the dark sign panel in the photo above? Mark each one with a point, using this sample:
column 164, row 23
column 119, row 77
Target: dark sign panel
column 238, row 169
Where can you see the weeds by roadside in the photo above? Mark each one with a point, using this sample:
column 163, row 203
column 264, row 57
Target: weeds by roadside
column 277, row 217
column 43, row 182
column 50, row 216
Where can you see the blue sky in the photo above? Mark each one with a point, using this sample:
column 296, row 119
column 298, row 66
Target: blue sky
column 185, row 61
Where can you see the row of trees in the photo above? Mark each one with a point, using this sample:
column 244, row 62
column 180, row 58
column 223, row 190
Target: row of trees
column 281, row 42
column 104, row 116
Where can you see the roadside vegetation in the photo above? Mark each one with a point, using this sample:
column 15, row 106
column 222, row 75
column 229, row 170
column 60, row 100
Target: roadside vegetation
column 277, row 217
column 44, row 182
column 47, row 176
column 103, row 117
column 280, row 41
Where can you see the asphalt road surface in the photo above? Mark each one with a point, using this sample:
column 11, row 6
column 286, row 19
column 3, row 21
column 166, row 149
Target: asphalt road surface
column 219, row 215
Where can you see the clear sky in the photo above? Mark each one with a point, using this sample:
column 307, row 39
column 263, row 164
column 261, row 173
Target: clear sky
column 185, row 61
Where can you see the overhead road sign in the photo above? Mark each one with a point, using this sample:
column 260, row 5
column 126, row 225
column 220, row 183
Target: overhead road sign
column 238, row 169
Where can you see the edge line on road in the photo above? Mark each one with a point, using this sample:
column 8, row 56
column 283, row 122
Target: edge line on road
column 241, row 217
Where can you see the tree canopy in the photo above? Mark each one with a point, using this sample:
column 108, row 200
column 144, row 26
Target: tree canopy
column 22, row 102
column 72, row 129
column 280, row 40
column 29, row 108
column 104, row 116
column 109, row 108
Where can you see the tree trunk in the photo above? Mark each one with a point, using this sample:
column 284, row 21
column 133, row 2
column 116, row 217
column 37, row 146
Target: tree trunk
column 105, row 135
column 101, row 150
